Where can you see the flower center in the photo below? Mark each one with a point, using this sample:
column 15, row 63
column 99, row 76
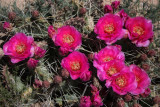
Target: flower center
column 121, row 81
column 68, row 39
column 109, row 28
column 137, row 79
column 111, row 71
column 106, row 59
column 20, row 48
column 139, row 30
column 75, row 66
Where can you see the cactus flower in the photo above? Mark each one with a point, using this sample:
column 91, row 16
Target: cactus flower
column 19, row 47
column 76, row 63
column 123, row 82
column 68, row 38
column 106, row 55
column 141, row 31
column 110, row 28
column 110, row 69
column 142, row 78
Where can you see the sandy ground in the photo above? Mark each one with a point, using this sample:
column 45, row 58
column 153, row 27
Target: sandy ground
column 21, row 3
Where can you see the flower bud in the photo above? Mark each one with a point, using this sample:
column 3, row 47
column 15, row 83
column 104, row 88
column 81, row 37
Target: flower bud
column 156, row 100
column 115, row 4
column 65, row 73
column 57, row 79
column 97, row 100
column 46, row 84
column 143, row 57
column 121, row 103
column 35, row 14
column 137, row 105
column 151, row 52
column 127, row 98
column 145, row 66
column 37, row 83
column 85, row 101
column 7, row 26
column 86, row 76
column 82, row 11
column 108, row 9
column 39, row 52
column 32, row 63
column 11, row 15
column 51, row 31
column 136, row 97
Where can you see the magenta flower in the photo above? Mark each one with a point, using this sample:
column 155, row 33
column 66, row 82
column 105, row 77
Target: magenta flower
column 97, row 100
column 115, row 4
column 123, row 82
column 110, row 69
column 109, row 28
column 51, row 31
column 7, row 26
column 141, row 31
column 108, row 9
column 38, row 52
column 19, row 47
column 68, row 38
column 32, row 63
column 106, row 55
column 76, row 63
column 85, row 101
column 142, row 78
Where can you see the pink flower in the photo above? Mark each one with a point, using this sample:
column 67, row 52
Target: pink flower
column 110, row 69
column 85, row 101
column 68, row 38
column 86, row 76
column 76, row 63
column 123, row 82
column 109, row 28
column 32, row 63
column 51, row 31
column 115, row 4
column 38, row 52
column 108, row 9
column 19, row 47
column 141, row 31
column 97, row 100
column 142, row 78
column 106, row 55
column 7, row 26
